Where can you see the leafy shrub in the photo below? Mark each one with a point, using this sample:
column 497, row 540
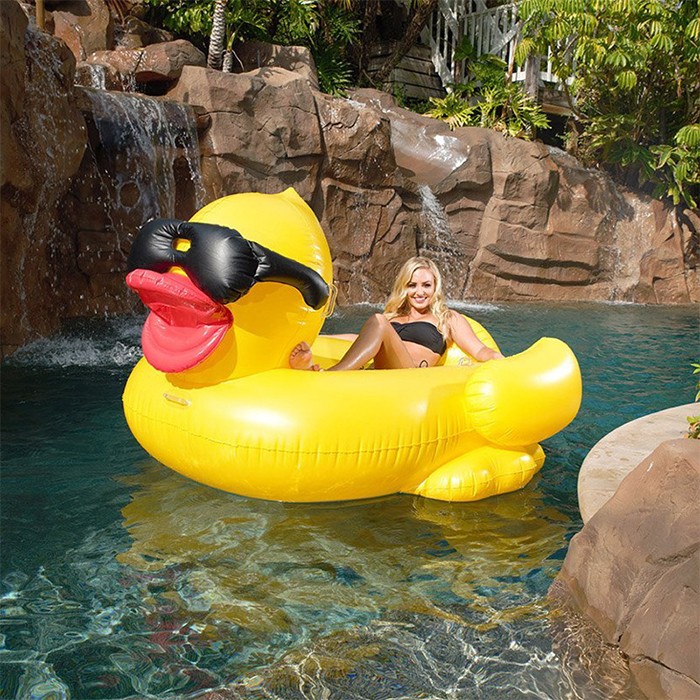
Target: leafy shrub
column 327, row 28
column 488, row 99
column 630, row 70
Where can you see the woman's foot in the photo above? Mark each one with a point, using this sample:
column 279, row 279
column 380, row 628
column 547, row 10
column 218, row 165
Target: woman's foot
column 301, row 358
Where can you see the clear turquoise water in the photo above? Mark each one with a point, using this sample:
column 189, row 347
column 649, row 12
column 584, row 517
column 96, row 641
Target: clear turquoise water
column 121, row 579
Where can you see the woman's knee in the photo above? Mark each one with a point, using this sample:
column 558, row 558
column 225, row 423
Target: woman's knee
column 379, row 321
column 381, row 325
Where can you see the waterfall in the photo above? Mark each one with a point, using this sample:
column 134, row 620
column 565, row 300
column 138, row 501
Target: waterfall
column 436, row 241
column 147, row 154
column 97, row 74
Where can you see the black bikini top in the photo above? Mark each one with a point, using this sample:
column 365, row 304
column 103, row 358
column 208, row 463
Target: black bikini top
column 423, row 333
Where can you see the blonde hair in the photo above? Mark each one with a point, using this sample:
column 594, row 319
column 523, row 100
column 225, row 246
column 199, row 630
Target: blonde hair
column 398, row 305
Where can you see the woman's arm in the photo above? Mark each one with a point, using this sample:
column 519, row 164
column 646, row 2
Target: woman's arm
column 467, row 341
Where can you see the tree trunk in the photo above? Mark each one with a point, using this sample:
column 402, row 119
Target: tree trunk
column 424, row 8
column 369, row 36
column 40, row 14
column 217, row 39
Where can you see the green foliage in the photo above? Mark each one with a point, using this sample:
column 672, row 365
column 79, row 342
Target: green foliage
column 190, row 18
column 507, row 108
column 488, row 99
column 334, row 73
column 634, row 84
column 453, row 109
column 327, row 27
column 336, row 31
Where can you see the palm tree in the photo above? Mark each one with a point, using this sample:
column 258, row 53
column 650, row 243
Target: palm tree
column 217, row 39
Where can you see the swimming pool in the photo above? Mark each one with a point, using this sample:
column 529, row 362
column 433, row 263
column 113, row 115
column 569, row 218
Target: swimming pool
column 121, row 579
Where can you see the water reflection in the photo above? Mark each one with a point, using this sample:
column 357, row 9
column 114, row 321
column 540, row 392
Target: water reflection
column 402, row 595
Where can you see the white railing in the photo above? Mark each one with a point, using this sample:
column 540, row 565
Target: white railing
column 489, row 30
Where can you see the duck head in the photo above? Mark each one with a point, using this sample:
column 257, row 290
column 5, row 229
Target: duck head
column 234, row 289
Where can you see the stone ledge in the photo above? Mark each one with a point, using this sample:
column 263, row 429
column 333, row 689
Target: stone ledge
column 620, row 451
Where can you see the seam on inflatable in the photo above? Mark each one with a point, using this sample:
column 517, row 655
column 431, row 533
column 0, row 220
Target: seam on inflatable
column 305, row 452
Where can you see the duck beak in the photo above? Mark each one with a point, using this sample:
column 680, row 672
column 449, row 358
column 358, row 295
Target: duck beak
column 185, row 325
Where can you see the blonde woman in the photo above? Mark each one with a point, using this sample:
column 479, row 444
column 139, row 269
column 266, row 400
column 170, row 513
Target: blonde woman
column 414, row 330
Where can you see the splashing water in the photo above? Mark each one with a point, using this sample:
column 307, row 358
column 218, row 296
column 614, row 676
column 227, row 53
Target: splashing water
column 113, row 342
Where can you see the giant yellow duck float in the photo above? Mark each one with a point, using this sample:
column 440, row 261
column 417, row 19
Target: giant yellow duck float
column 232, row 292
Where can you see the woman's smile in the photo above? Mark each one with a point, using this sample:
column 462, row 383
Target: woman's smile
column 421, row 289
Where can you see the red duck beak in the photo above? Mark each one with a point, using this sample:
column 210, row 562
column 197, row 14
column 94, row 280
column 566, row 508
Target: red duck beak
column 185, row 325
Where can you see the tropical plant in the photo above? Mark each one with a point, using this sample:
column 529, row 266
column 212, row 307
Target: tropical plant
column 189, row 18
column 337, row 29
column 696, row 370
column 326, row 27
column 488, row 98
column 630, row 71
column 453, row 109
column 507, row 108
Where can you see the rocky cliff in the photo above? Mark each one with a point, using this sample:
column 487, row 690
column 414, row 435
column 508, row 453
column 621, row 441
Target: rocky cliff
column 505, row 218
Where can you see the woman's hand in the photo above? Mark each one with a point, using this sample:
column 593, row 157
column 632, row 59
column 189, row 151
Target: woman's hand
column 486, row 354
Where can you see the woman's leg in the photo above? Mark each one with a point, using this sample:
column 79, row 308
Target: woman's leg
column 379, row 341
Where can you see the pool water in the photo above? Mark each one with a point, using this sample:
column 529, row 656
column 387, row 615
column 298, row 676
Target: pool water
column 122, row 579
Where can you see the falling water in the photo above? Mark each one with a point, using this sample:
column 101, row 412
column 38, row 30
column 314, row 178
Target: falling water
column 631, row 238
column 141, row 141
column 46, row 156
column 439, row 243
column 97, row 74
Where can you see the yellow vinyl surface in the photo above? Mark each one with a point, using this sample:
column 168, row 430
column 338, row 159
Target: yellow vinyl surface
column 246, row 423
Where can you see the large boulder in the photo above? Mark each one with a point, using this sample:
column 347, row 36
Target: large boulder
column 85, row 26
column 668, row 264
column 265, row 134
column 156, row 63
column 134, row 33
column 634, row 570
column 253, row 55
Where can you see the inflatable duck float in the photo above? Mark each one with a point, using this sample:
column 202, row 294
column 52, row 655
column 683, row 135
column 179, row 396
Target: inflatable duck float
column 231, row 292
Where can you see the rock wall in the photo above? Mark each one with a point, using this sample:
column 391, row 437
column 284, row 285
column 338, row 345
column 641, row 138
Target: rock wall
column 504, row 218
column 634, row 570
column 81, row 170
column 44, row 138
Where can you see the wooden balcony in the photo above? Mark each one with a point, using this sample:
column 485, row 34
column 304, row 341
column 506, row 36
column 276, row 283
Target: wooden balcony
column 490, row 30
